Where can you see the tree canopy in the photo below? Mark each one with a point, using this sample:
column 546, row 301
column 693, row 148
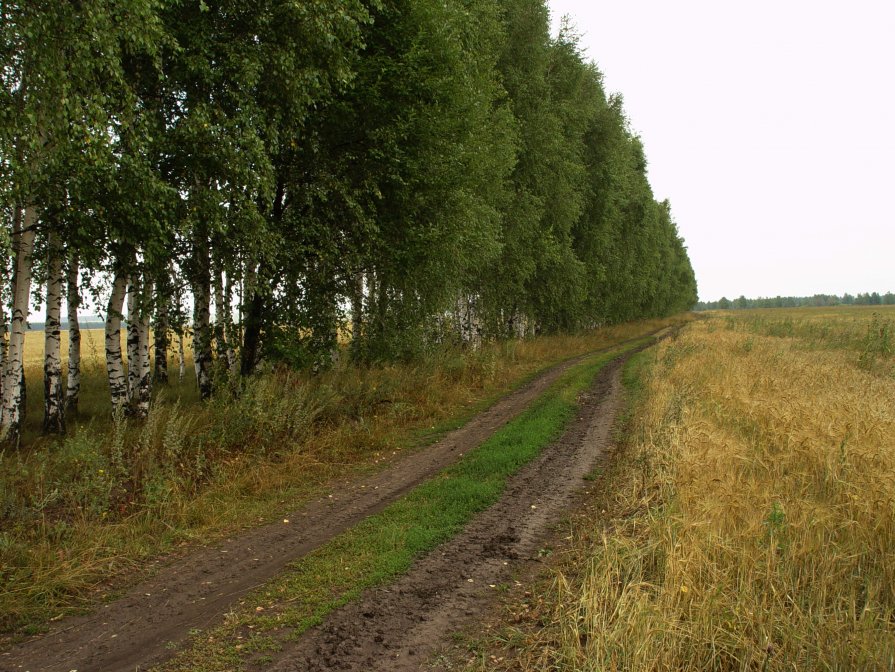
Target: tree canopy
column 389, row 173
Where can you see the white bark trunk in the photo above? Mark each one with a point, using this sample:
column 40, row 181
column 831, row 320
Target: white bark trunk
column 14, row 383
column 54, row 409
column 202, row 357
column 141, row 401
column 229, row 336
column 519, row 325
column 468, row 325
column 222, row 319
column 114, row 365
column 162, row 340
column 357, row 306
column 73, row 386
column 218, row 288
column 139, row 381
column 4, row 348
column 133, row 339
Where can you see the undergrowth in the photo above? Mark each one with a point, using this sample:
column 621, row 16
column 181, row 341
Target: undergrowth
column 81, row 515
column 384, row 545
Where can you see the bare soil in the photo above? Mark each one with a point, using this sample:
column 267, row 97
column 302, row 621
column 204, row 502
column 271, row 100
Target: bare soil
column 390, row 628
column 399, row 626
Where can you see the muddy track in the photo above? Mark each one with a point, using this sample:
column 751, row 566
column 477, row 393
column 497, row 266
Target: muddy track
column 142, row 628
column 397, row 627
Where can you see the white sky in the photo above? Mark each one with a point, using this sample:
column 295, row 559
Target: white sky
column 770, row 126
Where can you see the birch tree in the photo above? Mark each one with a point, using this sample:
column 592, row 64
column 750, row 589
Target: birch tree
column 5, row 256
column 202, row 332
column 132, row 338
column 66, row 80
column 23, row 236
column 162, row 327
column 394, row 164
column 139, row 379
column 54, row 400
column 114, row 364
column 73, row 302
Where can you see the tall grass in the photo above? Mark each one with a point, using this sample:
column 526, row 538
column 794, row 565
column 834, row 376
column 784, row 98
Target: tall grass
column 385, row 545
column 868, row 332
column 79, row 513
column 750, row 524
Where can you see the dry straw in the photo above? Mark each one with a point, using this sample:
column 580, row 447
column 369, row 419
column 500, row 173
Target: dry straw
column 751, row 521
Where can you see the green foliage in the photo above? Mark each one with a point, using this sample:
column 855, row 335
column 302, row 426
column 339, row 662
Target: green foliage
column 444, row 168
column 879, row 343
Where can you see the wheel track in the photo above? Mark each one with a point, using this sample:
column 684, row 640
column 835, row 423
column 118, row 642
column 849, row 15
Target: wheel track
column 142, row 628
column 396, row 627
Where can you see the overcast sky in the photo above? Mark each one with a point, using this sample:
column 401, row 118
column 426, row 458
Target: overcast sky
column 770, row 126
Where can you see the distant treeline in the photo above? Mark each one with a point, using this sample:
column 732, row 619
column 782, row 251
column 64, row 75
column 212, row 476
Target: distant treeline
column 89, row 323
column 818, row 300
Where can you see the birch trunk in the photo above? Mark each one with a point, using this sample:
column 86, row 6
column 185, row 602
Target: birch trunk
column 220, row 341
column 133, row 340
column 54, row 408
column 143, row 393
column 139, row 379
column 73, row 296
column 13, row 416
column 229, row 336
column 114, row 365
column 468, row 328
column 253, row 314
column 223, row 331
column 357, row 306
column 162, row 337
column 202, row 354
column 3, row 351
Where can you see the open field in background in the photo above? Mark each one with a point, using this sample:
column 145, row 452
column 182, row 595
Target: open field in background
column 95, row 402
column 79, row 512
column 748, row 521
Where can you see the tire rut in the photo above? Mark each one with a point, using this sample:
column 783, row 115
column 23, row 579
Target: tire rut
column 142, row 628
column 397, row 627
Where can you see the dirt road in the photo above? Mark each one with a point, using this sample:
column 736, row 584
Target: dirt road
column 143, row 627
column 397, row 627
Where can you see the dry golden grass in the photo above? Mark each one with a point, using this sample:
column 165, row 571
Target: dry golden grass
column 78, row 512
column 750, row 524
column 94, row 404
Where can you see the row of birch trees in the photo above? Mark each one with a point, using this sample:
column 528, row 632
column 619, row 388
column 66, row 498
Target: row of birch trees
column 278, row 178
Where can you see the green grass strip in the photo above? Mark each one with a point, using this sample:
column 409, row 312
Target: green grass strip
column 384, row 546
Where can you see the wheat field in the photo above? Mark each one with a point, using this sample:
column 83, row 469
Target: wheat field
column 749, row 523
